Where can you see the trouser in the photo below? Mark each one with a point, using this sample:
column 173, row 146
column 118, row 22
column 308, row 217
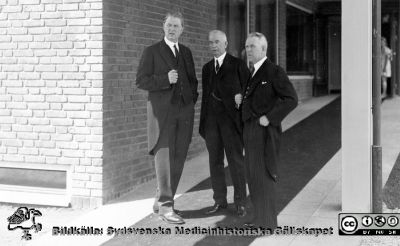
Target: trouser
column 221, row 135
column 262, row 187
column 170, row 154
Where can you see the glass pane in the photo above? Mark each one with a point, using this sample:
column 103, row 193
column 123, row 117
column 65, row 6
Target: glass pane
column 231, row 20
column 265, row 18
column 300, row 40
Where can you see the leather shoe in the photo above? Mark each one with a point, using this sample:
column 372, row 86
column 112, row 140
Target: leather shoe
column 172, row 218
column 241, row 211
column 178, row 212
column 216, row 208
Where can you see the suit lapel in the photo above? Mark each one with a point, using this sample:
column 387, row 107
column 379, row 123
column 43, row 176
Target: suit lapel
column 211, row 66
column 184, row 55
column 256, row 79
column 167, row 55
column 222, row 70
column 225, row 64
column 211, row 69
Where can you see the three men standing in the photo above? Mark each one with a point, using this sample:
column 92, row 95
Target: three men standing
column 228, row 120
column 166, row 70
column 220, row 123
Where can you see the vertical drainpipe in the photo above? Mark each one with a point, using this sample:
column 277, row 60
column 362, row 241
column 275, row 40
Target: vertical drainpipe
column 376, row 108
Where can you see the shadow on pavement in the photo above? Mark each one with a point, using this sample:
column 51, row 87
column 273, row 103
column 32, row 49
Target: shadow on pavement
column 306, row 148
column 391, row 195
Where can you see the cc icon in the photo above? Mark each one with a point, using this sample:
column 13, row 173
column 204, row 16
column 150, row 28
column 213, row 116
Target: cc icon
column 349, row 224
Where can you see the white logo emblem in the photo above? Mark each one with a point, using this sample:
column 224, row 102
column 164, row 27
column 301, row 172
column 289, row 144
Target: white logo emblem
column 349, row 224
column 367, row 221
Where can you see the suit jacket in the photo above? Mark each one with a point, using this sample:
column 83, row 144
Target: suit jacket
column 269, row 92
column 152, row 75
column 232, row 77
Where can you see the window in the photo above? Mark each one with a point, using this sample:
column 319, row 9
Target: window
column 299, row 41
column 231, row 20
column 265, row 20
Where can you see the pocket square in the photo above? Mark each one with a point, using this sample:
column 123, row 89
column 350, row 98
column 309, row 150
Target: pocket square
column 264, row 82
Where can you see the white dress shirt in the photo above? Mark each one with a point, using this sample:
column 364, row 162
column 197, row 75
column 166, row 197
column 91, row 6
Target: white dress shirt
column 171, row 45
column 220, row 60
column 258, row 65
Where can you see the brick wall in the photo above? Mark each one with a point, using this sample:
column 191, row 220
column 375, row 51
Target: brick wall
column 67, row 86
column 51, row 89
column 129, row 27
column 303, row 87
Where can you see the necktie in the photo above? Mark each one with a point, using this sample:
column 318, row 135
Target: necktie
column 176, row 51
column 216, row 66
column 251, row 68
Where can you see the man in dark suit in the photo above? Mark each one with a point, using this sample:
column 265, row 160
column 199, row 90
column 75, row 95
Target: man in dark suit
column 268, row 99
column 220, row 121
column 166, row 70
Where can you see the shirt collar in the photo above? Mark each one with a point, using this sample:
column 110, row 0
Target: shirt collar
column 258, row 64
column 220, row 59
column 171, row 44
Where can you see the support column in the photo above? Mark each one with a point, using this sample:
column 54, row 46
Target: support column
column 356, row 105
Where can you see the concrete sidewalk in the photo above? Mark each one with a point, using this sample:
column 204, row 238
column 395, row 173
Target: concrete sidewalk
column 140, row 200
column 317, row 205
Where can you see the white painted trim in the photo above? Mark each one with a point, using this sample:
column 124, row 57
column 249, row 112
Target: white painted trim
column 309, row 11
column 356, row 99
column 37, row 195
column 296, row 77
column 69, row 184
column 34, row 195
column 23, row 165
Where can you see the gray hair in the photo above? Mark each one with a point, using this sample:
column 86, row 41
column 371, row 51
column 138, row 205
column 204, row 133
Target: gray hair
column 219, row 32
column 174, row 14
column 261, row 37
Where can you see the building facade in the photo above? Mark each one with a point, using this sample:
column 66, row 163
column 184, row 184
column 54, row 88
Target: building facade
column 73, row 123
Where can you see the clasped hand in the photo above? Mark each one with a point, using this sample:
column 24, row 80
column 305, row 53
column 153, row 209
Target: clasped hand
column 238, row 100
column 173, row 76
column 264, row 121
